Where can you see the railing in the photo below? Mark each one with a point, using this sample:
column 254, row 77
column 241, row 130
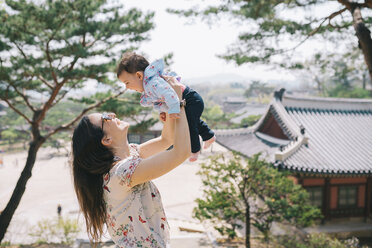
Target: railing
column 346, row 212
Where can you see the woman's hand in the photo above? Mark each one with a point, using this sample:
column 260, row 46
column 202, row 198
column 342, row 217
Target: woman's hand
column 155, row 163
column 174, row 116
column 163, row 117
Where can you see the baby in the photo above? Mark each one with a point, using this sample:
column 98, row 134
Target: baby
column 137, row 74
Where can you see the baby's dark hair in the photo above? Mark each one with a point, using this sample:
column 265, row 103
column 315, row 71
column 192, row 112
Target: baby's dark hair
column 131, row 62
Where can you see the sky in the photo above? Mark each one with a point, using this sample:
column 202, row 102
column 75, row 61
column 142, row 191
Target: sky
column 195, row 46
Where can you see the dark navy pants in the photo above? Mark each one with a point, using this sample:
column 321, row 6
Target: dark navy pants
column 194, row 109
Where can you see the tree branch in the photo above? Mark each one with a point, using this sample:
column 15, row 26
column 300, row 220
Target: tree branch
column 59, row 99
column 49, row 103
column 38, row 76
column 19, row 48
column 346, row 3
column 42, row 79
column 64, row 94
column 69, row 69
column 69, row 125
column 24, row 98
column 47, row 50
column 331, row 16
column 14, row 108
column 50, row 63
column 368, row 3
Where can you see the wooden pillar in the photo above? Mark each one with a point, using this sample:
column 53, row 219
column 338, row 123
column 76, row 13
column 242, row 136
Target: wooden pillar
column 326, row 200
column 367, row 205
column 300, row 180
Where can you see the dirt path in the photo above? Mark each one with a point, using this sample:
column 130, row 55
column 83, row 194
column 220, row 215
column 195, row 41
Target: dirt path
column 51, row 185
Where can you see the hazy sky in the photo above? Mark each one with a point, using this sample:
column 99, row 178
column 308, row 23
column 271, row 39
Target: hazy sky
column 195, row 46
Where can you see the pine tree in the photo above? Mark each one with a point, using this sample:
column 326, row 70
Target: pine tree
column 240, row 192
column 269, row 27
column 48, row 51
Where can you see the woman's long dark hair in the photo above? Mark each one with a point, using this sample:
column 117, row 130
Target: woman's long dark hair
column 90, row 161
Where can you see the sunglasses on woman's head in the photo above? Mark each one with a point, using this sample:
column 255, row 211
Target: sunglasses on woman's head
column 107, row 117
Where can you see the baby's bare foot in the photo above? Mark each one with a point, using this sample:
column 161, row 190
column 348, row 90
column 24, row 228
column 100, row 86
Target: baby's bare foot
column 209, row 142
column 194, row 156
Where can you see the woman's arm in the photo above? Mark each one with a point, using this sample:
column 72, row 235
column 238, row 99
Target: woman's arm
column 161, row 143
column 163, row 162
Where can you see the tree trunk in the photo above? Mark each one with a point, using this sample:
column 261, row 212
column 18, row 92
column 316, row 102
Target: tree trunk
column 247, row 227
column 7, row 214
column 319, row 86
column 364, row 36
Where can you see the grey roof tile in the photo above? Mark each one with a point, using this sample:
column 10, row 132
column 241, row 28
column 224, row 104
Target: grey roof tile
column 339, row 141
column 339, row 135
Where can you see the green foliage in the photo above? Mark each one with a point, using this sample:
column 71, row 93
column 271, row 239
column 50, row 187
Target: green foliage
column 237, row 188
column 10, row 135
column 45, row 231
column 128, row 107
column 13, row 128
column 61, row 230
column 58, row 45
column 271, row 27
column 249, row 121
column 274, row 30
column 339, row 74
column 62, row 113
column 257, row 88
column 5, row 244
column 316, row 240
column 215, row 117
column 340, row 91
column 69, row 229
column 50, row 49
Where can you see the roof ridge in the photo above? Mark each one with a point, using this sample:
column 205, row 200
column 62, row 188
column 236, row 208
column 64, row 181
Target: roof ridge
column 329, row 99
column 233, row 131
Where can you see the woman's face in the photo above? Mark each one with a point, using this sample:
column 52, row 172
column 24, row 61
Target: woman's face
column 114, row 128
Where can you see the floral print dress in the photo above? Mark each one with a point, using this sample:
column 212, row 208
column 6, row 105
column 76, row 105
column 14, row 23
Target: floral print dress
column 135, row 215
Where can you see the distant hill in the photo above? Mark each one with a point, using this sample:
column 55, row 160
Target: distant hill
column 198, row 83
column 217, row 79
column 226, row 78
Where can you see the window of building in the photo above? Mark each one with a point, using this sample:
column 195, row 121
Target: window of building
column 315, row 195
column 347, row 196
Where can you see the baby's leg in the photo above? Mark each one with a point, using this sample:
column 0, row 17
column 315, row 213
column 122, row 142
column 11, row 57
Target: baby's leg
column 193, row 127
column 194, row 108
column 206, row 133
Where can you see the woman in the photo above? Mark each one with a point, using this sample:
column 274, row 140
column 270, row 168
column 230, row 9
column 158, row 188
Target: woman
column 113, row 178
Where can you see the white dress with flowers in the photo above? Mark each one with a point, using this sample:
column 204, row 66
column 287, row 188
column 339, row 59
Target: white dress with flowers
column 135, row 215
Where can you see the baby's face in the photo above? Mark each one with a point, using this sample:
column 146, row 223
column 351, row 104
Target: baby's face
column 133, row 81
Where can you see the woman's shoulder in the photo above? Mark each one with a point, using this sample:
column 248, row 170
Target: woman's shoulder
column 133, row 154
column 134, row 150
column 124, row 168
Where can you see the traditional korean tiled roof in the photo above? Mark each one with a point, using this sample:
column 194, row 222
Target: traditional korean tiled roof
column 325, row 135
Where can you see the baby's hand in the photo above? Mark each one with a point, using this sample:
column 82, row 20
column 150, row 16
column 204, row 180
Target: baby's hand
column 163, row 116
column 174, row 116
